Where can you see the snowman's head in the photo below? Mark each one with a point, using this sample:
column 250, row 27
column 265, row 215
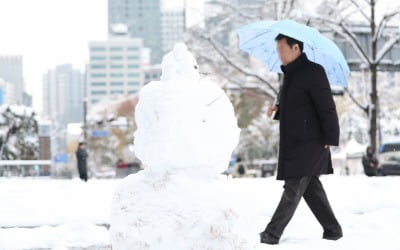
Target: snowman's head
column 179, row 64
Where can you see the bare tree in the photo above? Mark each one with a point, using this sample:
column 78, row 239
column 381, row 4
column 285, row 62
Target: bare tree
column 20, row 139
column 339, row 15
column 215, row 45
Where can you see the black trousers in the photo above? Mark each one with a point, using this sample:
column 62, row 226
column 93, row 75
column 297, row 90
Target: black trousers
column 309, row 187
column 82, row 172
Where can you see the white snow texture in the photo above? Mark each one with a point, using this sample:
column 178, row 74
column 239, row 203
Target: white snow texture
column 186, row 133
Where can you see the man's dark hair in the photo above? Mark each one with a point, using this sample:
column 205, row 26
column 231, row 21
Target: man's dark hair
column 81, row 143
column 290, row 41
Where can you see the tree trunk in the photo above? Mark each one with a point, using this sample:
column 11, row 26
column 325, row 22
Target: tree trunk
column 374, row 74
column 373, row 114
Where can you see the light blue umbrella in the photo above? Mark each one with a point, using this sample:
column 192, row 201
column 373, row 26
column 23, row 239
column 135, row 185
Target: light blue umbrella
column 258, row 39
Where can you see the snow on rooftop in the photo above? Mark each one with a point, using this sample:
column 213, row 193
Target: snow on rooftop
column 119, row 28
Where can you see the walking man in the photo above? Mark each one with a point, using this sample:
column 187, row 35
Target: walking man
column 308, row 127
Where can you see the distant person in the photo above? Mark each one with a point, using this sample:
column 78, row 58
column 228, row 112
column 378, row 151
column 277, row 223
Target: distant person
column 241, row 168
column 81, row 156
column 370, row 162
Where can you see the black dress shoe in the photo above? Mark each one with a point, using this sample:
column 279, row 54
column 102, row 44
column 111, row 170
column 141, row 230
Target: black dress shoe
column 268, row 238
column 332, row 236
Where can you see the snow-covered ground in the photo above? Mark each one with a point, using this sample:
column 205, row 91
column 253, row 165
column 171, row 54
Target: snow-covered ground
column 65, row 214
column 54, row 213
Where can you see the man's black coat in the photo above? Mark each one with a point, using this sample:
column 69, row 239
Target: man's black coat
column 308, row 120
column 82, row 156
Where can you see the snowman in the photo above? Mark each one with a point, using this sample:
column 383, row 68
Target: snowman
column 186, row 132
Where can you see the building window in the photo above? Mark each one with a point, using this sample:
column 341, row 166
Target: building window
column 133, row 75
column 117, row 91
column 98, row 66
column 117, row 75
column 95, row 49
column 132, row 91
column 133, row 48
column 97, row 75
column 116, row 57
column 116, row 49
column 98, row 84
column 98, row 92
column 133, row 83
column 97, row 58
column 94, row 101
column 133, row 57
column 116, row 83
column 133, row 66
column 117, row 66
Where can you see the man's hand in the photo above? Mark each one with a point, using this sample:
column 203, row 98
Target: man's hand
column 327, row 146
column 271, row 109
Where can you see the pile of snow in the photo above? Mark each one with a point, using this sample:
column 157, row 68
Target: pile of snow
column 186, row 133
column 175, row 211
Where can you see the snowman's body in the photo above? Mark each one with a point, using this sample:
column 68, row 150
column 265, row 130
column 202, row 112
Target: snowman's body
column 186, row 133
column 190, row 126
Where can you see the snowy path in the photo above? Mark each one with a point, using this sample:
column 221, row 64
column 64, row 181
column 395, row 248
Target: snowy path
column 69, row 213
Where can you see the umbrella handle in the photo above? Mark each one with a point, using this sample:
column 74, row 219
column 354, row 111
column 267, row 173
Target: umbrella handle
column 275, row 103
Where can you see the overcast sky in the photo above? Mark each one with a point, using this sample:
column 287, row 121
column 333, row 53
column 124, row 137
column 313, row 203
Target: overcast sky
column 51, row 32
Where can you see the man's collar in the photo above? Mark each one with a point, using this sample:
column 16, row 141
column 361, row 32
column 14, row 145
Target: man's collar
column 293, row 66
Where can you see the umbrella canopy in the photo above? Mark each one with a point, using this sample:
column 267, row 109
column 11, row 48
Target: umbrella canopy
column 258, row 39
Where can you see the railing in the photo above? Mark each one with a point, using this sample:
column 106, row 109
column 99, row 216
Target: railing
column 25, row 167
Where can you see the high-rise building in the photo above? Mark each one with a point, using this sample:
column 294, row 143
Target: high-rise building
column 44, row 140
column 7, row 93
column 216, row 14
column 115, row 66
column 26, row 99
column 63, row 94
column 143, row 19
column 11, row 72
column 172, row 26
